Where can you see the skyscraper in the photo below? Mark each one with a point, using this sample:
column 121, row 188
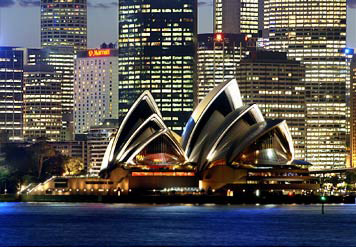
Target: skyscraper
column 218, row 56
column 62, row 61
column 42, row 103
column 64, row 23
column 95, row 88
column 276, row 84
column 157, row 42
column 11, row 93
column 64, row 31
column 314, row 33
column 353, row 114
column 236, row 16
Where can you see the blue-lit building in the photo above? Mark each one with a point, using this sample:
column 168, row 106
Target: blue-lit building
column 156, row 45
column 11, row 93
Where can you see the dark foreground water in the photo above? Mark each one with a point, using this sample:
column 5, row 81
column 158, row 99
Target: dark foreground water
column 80, row 224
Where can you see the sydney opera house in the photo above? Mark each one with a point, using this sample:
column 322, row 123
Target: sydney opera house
column 226, row 147
column 225, row 144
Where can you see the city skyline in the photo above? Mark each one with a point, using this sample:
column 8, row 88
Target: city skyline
column 101, row 13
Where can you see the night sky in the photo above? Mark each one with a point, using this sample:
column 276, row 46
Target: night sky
column 20, row 22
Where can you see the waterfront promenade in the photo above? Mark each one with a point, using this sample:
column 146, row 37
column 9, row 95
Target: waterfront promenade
column 201, row 199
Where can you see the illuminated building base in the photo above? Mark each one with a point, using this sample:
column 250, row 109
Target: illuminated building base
column 219, row 179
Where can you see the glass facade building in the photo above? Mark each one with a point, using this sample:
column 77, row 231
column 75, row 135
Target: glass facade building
column 64, row 23
column 236, row 16
column 11, row 93
column 157, row 41
column 62, row 61
column 42, row 103
column 314, row 33
column 276, row 84
column 353, row 114
column 218, row 57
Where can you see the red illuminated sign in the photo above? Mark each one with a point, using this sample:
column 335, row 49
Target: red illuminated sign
column 99, row 53
column 163, row 174
column 219, row 37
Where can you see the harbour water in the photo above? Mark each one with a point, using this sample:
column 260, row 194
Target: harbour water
column 91, row 224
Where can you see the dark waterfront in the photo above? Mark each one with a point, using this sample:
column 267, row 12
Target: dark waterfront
column 85, row 224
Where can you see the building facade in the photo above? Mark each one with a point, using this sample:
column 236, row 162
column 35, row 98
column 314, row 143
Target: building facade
column 314, row 33
column 98, row 138
column 276, row 84
column 42, row 103
column 62, row 61
column 353, row 114
column 11, row 93
column 64, row 23
column 157, row 42
column 74, row 149
column 218, row 57
column 95, row 88
column 236, row 16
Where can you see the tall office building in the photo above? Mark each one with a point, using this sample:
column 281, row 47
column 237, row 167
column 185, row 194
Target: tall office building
column 157, row 42
column 11, row 93
column 95, row 88
column 314, row 33
column 64, row 23
column 236, row 16
column 353, row 114
column 62, row 61
column 64, row 31
column 218, row 56
column 42, row 103
column 276, row 84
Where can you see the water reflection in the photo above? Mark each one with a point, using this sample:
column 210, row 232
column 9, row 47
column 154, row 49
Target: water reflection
column 94, row 224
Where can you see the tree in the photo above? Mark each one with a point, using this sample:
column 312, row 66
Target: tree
column 351, row 177
column 4, row 177
column 4, row 173
column 42, row 151
column 19, row 164
column 53, row 166
column 73, row 166
column 25, row 163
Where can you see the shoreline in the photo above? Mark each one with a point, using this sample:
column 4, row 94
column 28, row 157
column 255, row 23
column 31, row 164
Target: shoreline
column 187, row 199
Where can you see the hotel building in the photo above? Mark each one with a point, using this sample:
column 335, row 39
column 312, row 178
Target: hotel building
column 64, row 23
column 276, row 84
column 157, row 53
column 314, row 33
column 236, row 16
column 11, row 93
column 218, row 57
column 95, row 88
column 42, row 103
